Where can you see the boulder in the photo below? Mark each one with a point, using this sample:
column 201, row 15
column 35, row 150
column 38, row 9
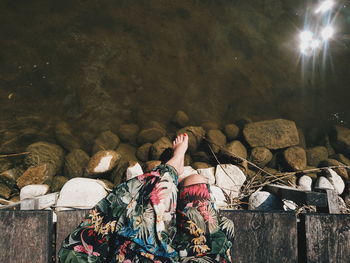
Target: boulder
column 302, row 140
column 58, row 182
column 218, row 196
column 295, row 158
column 181, row 119
column 217, row 139
column 231, row 131
column 260, row 156
column 45, row 153
column 236, row 148
column 159, row 147
column 289, row 205
column 107, row 140
column 272, row 134
column 323, row 183
column 336, row 181
column 200, row 165
column 33, row 190
column 210, row 125
column 230, row 179
column 5, row 191
column 305, row 183
column 341, row 158
column 127, row 153
column 143, row 151
column 4, row 165
column 102, row 162
column 133, row 170
column 150, row 135
column 150, row 165
column 195, row 137
column 81, row 193
column 340, row 139
column 316, row 154
column 340, row 171
column 264, row 201
column 201, row 157
column 41, row 174
column 128, row 132
column 208, row 173
column 75, row 163
column 9, row 177
column 65, row 137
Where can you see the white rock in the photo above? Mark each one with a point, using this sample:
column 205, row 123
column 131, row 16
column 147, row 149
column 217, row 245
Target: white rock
column 305, row 183
column 289, row 205
column 33, row 190
column 230, row 179
column 133, row 171
column 80, row 193
column 104, row 164
column 323, row 183
column 264, row 201
column 208, row 173
column 218, row 196
column 336, row 181
column 188, row 170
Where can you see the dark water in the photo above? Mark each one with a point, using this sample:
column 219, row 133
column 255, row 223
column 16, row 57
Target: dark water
column 97, row 64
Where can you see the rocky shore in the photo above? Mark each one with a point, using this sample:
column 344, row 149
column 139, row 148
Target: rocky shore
column 238, row 159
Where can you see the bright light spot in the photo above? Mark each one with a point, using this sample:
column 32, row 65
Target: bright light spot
column 304, row 47
column 315, row 43
column 327, row 32
column 306, row 36
column 325, row 6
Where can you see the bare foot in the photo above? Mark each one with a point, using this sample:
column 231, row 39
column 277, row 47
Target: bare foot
column 180, row 145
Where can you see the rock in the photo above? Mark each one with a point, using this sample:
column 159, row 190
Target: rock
column 81, row 193
column 323, row 183
column 65, row 137
column 261, row 156
column 41, row 174
column 340, row 139
column 208, row 173
column 230, row 179
column 341, row 158
column 44, row 152
column 200, row 165
column 181, row 119
column 150, row 135
column 210, row 125
column 127, row 153
column 272, row 134
column 107, row 140
column 133, row 170
column 33, row 190
column 264, row 201
column 313, row 176
column 217, row 139
column 305, row 183
column 340, row 171
column 218, row 196
column 188, row 170
column 58, row 182
column 15, row 199
column 4, row 165
column 231, row 131
column 102, row 162
column 143, row 151
column 336, row 181
column 329, row 146
column 5, row 191
column 187, row 160
column 302, row 141
column 195, row 137
column 295, row 158
column 289, row 205
column 236, row 148
column 128, row 132
column 155, row 124
column 75, row 163
column 316, row 154
column 150, row 165
column 201, row 157
column 9, row 177
column 159, row 147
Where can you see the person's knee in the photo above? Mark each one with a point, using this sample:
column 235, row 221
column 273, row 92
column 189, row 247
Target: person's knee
column 195, row 179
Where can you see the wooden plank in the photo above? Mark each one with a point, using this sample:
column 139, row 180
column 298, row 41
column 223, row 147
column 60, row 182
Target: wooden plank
column 298, row 196
column 26, row 236
column 327, row 238
column 67, row 221
column 264, row 236
column 333, row 202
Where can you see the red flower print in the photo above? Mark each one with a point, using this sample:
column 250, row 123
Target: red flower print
column 88, row 250
column 155, row 195
column 196, row 190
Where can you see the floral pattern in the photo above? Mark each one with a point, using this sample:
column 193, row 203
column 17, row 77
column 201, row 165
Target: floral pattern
column 144, row 220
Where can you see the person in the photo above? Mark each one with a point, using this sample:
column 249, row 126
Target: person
column 154, row 218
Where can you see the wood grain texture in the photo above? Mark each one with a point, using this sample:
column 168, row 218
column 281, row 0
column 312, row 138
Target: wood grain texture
column 327, row 238
column 26, row 236
column 264, row 236
column 67, row 221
